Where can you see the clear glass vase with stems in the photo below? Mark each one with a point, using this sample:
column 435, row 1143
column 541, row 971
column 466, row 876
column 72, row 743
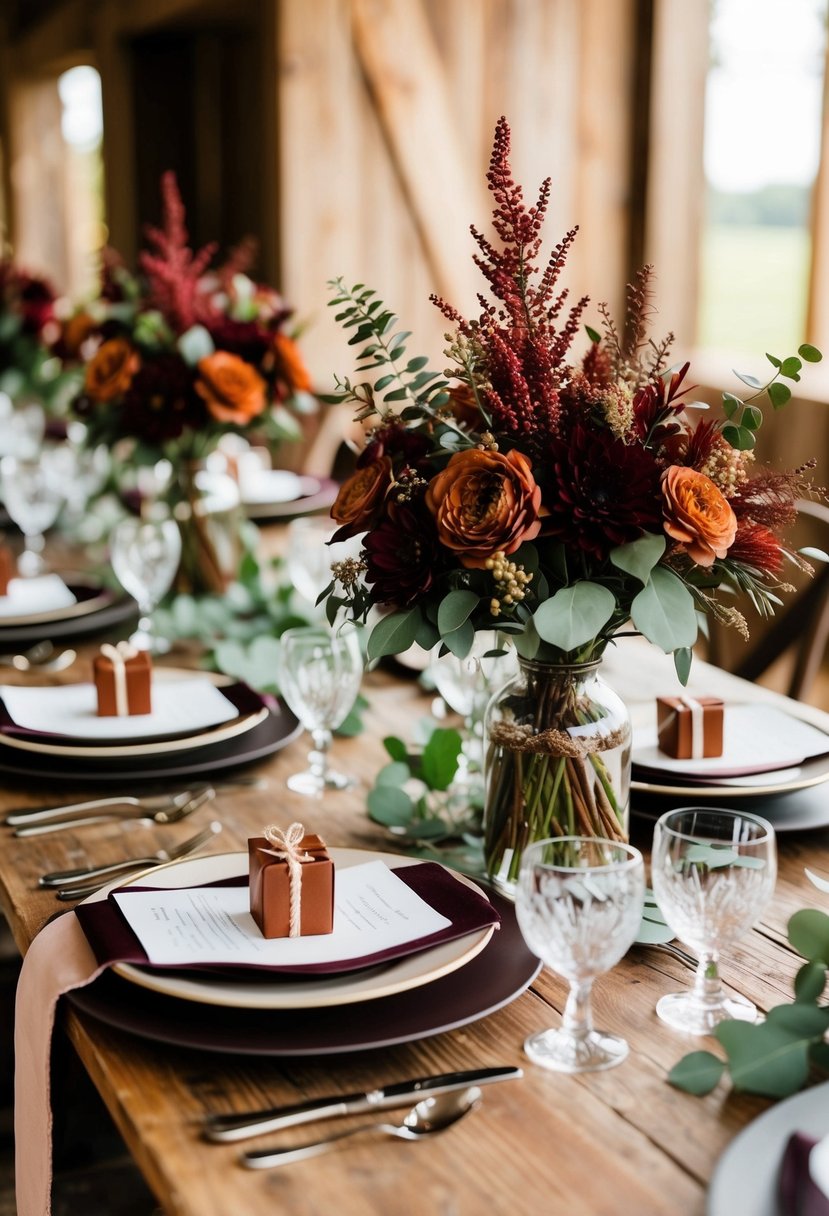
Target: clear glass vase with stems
column 557, row 762
column 207, row 507
column 579, row 905
column 713, row 872
column 319, row 677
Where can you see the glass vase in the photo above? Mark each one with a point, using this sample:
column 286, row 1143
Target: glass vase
column 557, row 763
column 209, row 516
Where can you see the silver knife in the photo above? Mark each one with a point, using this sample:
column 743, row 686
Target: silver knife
column 223, row 1128
column 22, row 816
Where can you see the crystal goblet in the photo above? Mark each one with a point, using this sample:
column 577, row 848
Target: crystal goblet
column 579, row 905
column 145, row 554
column 319, row 677
column 713, row 872
column 33, row 497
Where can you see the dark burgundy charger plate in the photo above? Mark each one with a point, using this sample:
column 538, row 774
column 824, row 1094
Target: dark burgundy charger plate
column 496, row 976
column 115, row 609
column 278, row 730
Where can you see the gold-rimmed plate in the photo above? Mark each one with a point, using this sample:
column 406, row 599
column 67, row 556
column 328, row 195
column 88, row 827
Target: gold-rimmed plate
column 410, row 971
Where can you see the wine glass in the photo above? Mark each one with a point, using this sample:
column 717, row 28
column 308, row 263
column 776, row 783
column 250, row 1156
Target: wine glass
column 33, row 498
column 579, row 905
column 713, row 873
column 319, row 677
column 145, row 554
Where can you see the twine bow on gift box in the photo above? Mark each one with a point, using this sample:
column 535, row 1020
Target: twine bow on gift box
column 286, row 848
column 118, row 656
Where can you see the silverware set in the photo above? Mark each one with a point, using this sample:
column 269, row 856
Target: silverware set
column 164, row 809
column 441, row 1101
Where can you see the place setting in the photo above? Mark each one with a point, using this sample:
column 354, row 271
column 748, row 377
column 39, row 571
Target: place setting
column 701, row 748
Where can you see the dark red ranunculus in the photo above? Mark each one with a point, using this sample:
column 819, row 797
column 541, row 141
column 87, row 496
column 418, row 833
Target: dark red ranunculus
column 247, row 339
column 401, row 553
column 600, row 492
column 161, row 402
column 395, row 440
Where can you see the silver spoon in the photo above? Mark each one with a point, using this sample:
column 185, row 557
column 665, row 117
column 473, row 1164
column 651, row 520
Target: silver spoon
column 429, row 1117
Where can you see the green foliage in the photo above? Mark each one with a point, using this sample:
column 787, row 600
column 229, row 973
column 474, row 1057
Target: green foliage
column 406, row 384
column 417, row 797
column 744, row 418
column 774, row 1057
column 574, row 615
column 664, row 611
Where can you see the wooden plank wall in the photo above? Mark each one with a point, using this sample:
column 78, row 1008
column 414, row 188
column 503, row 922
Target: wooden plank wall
column 387, row 109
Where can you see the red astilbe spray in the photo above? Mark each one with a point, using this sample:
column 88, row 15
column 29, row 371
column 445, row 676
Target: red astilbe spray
column 173, row 273
column 522, row 350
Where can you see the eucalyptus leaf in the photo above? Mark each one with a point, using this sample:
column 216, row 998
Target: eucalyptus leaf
column 751, row 381
column 393, row 634
column 810, row 353
column 460, row 640
column 396, row 773
column 439, row 763
column 765, row 1059
column 456, row 608
column 808, row 932
column 810, row 982
column 395, row 747
column 683, row 658
column 697, row 1073
column 390, row 805
column 664, row 611
column 574, row 615
column 639, row 557
column 779, row 394
column 791, row 367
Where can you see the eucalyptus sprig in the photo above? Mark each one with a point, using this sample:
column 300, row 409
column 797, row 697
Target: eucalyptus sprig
column 416, row 797
column 774, row 1057
column 745, row 417
column 403, row 385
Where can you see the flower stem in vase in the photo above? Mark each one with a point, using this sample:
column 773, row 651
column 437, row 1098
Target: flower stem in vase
column 558, row 763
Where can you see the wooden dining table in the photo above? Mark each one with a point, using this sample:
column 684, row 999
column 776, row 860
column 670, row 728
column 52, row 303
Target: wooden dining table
column 600, row 1143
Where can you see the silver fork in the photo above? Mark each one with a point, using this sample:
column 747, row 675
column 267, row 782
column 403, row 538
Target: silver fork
column 176, row 808
column 102, row 874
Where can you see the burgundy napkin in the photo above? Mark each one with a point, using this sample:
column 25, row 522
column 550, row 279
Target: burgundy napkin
column 112, row 939
column 61, row 958
column 241, row 696
column 799, row 1195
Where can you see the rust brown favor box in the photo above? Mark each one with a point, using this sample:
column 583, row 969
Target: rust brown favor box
column 291, row 883
column 8, row 569
column 690, row 728
column 123, row 681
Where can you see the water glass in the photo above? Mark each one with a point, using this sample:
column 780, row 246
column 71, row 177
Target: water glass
column 145, row 555
column 579, row 905
column 319, row 677
column 713, row 873
column 33, row 497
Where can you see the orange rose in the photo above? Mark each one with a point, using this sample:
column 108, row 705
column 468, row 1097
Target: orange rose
column 293, row 365
column 75, row 332
column 484, row 502
column 110, row 371
column 361, row 495
column 697, row 514
column 232, row 390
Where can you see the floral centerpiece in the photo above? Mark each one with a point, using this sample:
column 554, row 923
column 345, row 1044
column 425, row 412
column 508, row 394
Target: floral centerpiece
column 182, row 355
column 557, row 499
column 30, row 371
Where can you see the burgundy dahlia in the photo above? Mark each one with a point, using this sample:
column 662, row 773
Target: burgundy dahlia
column 160, row 403
column 400, row 555
column 395, row 441
column 600, row 491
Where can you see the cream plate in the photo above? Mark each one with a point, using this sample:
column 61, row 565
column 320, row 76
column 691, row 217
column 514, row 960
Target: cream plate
column 811, row 772
column 82, row 608
column 209, row 737
column 409, row 972
column 745, row 1180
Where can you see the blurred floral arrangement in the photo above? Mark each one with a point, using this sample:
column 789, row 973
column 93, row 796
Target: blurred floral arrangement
column 179, row 356
column 30, row 369
column 554, row 499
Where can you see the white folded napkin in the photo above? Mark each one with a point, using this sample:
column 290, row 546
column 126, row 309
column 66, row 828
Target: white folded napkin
column 30, row 596
column 189, row 703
